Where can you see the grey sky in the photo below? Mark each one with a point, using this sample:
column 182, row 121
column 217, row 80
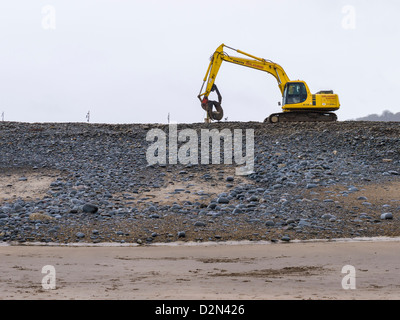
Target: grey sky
column 136, row 61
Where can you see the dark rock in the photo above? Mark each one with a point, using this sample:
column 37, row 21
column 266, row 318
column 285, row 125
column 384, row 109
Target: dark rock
column 181, row 234
column 223, row 200
column 253, row 198
column 89, row 208
column 212, row 205
column 269, row 223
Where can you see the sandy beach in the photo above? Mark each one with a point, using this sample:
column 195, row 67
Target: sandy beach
column 80, row 209
column 234, row 271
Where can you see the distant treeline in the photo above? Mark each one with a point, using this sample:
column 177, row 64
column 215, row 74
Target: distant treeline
column 385, row 116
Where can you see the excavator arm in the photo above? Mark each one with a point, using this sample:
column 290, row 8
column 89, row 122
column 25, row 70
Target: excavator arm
column 256, row 63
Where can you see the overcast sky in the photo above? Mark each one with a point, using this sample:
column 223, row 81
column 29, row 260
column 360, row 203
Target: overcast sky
column 131, row 61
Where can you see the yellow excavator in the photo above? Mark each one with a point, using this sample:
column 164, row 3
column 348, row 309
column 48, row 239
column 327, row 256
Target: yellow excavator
column 298, row 104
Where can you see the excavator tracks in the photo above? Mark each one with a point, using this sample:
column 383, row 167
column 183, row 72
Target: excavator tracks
column 301, row 116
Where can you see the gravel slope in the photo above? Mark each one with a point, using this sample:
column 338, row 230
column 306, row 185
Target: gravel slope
column 79, row 182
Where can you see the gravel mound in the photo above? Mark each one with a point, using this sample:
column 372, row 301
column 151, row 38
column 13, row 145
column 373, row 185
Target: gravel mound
column 319, row 180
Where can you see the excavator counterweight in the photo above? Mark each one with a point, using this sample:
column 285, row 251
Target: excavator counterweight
column 298, row 104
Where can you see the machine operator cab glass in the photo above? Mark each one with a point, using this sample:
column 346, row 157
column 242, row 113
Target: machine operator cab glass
column 295, row 92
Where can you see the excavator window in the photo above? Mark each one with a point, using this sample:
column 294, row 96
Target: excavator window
column 295, row 92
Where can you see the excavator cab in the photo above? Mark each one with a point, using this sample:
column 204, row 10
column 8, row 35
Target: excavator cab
column 294, row 92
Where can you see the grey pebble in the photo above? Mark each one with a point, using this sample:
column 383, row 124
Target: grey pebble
column 80, row 235
column 386, row 216
column 199, row 224
column 269, row 223
column 237, row 210
column 223, row 200
column 181, row 234
column 89, row 208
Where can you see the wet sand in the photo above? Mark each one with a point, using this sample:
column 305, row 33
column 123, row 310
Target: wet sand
column 233, row 271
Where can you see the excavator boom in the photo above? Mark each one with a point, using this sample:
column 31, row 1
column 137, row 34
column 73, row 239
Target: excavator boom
column 256, row 63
